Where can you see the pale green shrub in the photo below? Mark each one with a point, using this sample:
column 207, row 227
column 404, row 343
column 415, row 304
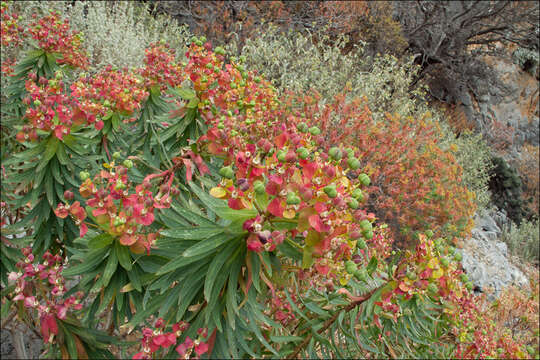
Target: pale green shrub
column 293, row 62
column 474, row 156
column 523, row 240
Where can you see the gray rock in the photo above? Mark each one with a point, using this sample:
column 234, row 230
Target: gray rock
column 485, row 222
column 485, row 259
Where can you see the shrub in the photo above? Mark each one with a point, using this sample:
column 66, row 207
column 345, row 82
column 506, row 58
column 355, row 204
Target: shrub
column 294, row 62
column 416, row 184
column 528, row 166
column 209, row 226
column 527, row 60
column 506, row 189
column 115, row 33
column 523, row 240
column 474, row 156
column 385, row 81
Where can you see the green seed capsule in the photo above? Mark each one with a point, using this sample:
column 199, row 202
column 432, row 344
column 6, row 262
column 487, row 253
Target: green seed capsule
column 361, row 244
column 302, row 127
column 281, row 155
column 314, row 130
column 361, row 274
column 353, row 203
column 128, row 163
column 458, row 256
column 445, row 262
column 411, row 275
column 364, row 179
column 84, row 175
column 331, row 191
column 350, row 266
column 302, row 152
column 432, row 288
column 358, row 195
column 464, row 278
column 292, row 199
column 469, row 286
column 368, row 234
column 366, row 225
column 429, row 234
column 258, row 186
column 226, row 172
column 353, row 163
column 335, row 153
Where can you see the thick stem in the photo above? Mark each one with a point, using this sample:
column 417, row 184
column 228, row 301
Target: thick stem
column 18, row 343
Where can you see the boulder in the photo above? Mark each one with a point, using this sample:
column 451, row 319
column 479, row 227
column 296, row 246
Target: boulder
column 485, row 259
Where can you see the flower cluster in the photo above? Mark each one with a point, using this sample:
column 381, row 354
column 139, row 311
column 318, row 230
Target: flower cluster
column 238, row 96
column 157, row 338
column 200, row 345
column 40, row 286
column 161, row 68
column 49, row 109
column 280, row 309
column 10, row 31
column 119, row 91
column 54, row 36
column 154, row 339
column 287, row 178
column 119, row 209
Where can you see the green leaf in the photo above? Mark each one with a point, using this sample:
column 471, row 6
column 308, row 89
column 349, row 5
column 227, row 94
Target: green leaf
column 124, row 256
column 190, row 233
column 285, row 339
column 192, row 104
column 70, row 341
column 372, row 266
column 94, row 258
column 135, row 278
column 50, row 150
column 186, row 93
column 110, row 268
column 307, row 258
column 178, row 262
column 100, row 241
column 208, row 245
column 61, row 155
column 216, row 266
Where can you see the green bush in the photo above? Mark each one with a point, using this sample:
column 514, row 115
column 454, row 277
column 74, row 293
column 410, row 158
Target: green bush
column 298, row 62
column 527, row 60
column 506, row 188
column 523, row 240
column 473, row 154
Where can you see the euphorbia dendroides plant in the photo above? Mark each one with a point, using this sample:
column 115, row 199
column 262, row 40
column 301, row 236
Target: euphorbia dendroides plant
column 190, row 206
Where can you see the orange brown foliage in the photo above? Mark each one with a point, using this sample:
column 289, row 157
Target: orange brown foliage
column 415, row 184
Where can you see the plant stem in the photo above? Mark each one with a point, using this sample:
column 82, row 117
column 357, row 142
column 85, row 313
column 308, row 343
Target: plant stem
column 18, row 343
column 330, row 321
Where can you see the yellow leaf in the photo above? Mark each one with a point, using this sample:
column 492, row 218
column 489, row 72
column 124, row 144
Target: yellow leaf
column 289, row 214
column 433, row 263
column 218, row 192
column 437, row 273
column 127, row 288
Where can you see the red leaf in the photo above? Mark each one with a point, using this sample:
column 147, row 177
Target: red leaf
column 275, row 207
column 315, row 222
